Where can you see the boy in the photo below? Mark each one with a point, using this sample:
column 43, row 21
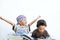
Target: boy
column 20, row 28
column 40, row 32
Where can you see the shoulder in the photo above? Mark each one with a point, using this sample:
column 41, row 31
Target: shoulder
column 35, row 31
column 15, row 26
column 45, row 31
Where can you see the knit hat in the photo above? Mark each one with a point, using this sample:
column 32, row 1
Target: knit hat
column 20, row 18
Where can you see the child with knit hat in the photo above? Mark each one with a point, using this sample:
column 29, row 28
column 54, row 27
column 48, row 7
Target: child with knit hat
column 21, row 28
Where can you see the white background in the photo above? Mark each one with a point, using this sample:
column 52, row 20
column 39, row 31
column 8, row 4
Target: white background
column 47, row 9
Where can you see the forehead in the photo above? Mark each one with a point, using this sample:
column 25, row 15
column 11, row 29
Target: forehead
column 41, row 26
column 25, row 19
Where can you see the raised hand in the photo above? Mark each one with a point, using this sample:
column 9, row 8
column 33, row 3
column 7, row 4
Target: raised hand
column 34, row 21
column 0, row 17
column 38, row 17
column 7, row 21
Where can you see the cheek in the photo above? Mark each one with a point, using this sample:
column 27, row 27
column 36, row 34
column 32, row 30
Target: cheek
column 24, row 22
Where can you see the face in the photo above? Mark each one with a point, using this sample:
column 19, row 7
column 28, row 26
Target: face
column 23, row 22
column 41, row 28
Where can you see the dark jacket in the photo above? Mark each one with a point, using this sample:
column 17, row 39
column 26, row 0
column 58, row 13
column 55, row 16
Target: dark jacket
column 37, row 34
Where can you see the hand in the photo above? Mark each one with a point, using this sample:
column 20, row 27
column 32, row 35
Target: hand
column 0, row 17
column 38, row 17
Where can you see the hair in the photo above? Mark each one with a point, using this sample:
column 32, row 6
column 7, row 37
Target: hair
column 41, row 22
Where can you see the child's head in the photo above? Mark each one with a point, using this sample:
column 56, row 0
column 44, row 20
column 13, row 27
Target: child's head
column 21, row 20
column 41, row 24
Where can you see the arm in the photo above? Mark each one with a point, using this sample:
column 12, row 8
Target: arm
column 33, row 21
column 11, row 23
